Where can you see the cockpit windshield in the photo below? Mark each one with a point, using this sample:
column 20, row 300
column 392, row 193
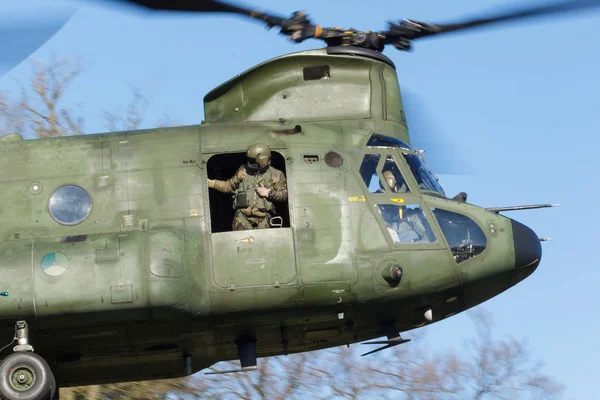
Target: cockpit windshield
column 422, row 173
column 377, row 140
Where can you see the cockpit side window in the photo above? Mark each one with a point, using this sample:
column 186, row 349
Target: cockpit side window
column 406, row 223
column 393, row 181
column 464, row 236
column 393, row 177
column 368, row 171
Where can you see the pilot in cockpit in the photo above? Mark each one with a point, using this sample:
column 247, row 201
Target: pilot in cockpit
column 392, row 182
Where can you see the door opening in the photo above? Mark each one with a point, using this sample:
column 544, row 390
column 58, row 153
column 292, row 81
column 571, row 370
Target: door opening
column 223, row 167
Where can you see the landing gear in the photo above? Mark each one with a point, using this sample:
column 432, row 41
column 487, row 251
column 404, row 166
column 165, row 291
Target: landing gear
column 25, row 375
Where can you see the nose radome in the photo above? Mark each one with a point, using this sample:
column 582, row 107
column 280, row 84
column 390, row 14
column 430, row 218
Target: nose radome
column 528, row 250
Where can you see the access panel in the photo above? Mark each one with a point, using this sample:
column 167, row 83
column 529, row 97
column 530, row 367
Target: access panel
column 262, row 257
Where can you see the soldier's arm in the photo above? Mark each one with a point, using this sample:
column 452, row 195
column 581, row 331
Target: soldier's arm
column 279, row 191
column 230, row 185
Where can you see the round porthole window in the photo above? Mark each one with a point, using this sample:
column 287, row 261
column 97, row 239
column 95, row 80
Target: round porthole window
column 70, row 205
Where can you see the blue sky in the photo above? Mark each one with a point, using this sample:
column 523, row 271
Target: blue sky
column 518, row 105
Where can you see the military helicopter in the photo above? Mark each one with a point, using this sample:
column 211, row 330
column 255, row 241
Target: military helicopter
column 119, row 263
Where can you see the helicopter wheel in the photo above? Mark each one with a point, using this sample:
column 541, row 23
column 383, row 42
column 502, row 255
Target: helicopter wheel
column 26, row 376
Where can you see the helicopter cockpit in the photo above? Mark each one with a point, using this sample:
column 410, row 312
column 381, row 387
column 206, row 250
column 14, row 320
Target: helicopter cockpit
column 406, row 218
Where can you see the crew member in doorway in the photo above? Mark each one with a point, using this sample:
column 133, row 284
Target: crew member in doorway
column 256, row 185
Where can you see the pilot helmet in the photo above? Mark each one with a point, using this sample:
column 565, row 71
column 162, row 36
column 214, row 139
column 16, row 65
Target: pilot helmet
column 259, row 156
column 391, row 180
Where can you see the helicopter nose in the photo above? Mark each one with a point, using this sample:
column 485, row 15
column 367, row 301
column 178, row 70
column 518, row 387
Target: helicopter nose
column 528, row 250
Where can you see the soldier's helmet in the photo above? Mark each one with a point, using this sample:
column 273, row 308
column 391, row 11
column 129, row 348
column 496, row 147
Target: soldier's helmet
column 259, row 156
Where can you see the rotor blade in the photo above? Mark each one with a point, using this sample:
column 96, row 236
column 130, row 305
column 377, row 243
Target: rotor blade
column 203, row 6
column 537, row 11
column 189, row 5
column 22, row 36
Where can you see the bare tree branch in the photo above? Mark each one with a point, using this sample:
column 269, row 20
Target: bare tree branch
column 133, row 116
column 41, row 114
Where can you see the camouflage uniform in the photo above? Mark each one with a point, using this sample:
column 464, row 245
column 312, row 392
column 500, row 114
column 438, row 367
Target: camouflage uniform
column 257, row 211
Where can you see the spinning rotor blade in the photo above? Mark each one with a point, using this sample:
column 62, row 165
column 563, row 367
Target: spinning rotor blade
column 204, row 6
column 537, row 11
column 299, row 28
column 189, row 5
column 22, row 36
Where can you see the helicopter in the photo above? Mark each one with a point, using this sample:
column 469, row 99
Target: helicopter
column 121, row 263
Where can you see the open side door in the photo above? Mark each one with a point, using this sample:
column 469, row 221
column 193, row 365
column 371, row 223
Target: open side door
column 250, row 258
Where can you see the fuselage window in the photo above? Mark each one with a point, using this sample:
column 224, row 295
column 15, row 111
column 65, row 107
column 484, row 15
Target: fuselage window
column 406, row 224
column 464, row 236
column 70, row 205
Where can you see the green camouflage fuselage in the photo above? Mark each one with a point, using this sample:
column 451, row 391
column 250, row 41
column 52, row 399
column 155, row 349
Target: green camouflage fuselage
column 148, row 291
